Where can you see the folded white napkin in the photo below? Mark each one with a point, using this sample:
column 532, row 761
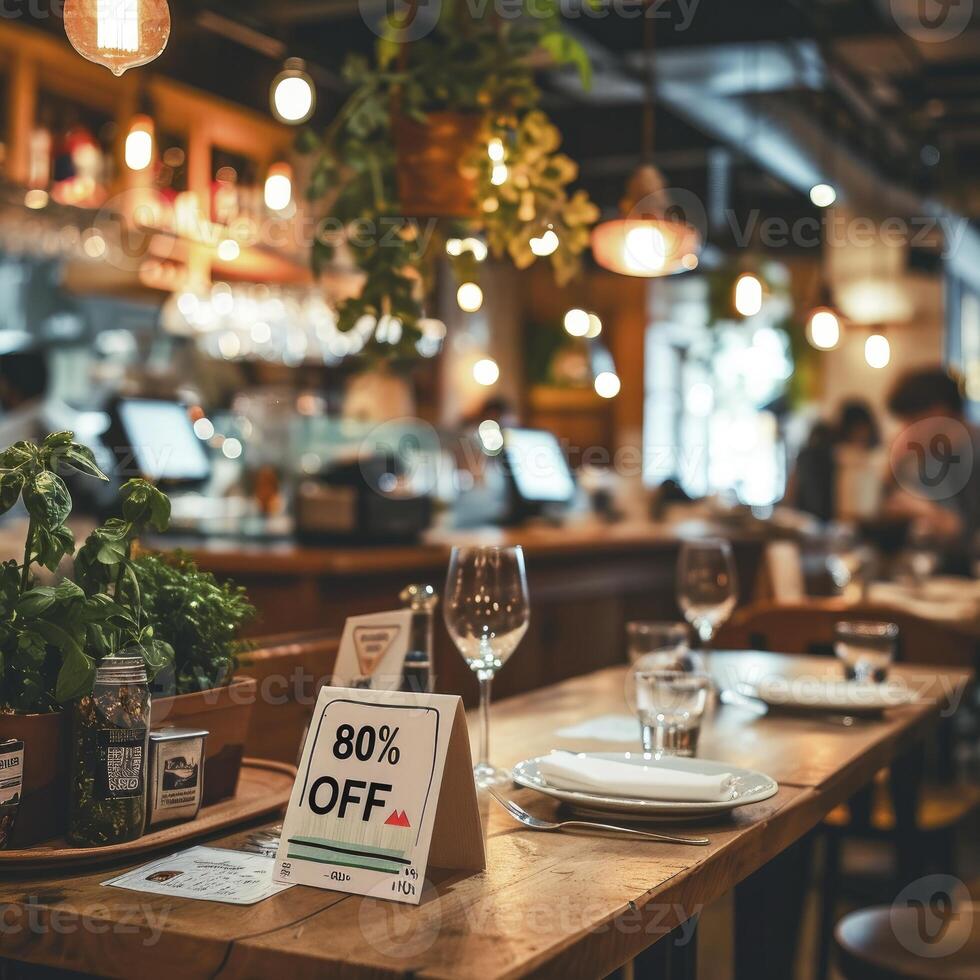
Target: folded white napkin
column 645, row 782
column 833, row 694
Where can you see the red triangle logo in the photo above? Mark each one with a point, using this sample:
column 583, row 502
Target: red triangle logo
column 397, row 819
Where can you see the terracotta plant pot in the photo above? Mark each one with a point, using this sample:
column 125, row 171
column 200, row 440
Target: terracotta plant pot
column 430, row 184
column 43, row 811
column 225, row 713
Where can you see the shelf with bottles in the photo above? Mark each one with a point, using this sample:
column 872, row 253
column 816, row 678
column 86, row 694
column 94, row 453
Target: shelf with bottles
column 144, row 152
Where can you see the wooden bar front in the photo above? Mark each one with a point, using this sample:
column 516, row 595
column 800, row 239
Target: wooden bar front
column 585, row 585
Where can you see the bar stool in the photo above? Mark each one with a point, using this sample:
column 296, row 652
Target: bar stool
column 908, row 943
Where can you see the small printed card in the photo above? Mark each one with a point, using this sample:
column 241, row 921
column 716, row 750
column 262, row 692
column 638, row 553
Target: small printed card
column 372, row 651
column 208, row 874
column 385, row 788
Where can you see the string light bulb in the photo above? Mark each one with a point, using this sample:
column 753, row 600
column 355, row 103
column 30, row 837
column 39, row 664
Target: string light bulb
column 748, row 294
column 607, row 385
column 118, row 34
column 279, row 187
column 293, row 94
column 546, row 244
column 486, row 372
column 577, row 323
column 470, row 297
column 822, row 195
column 823, row 329
column 877, row 351
column 139, row 143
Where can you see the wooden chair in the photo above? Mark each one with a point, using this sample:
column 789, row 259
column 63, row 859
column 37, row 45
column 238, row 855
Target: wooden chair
column 933, row 811
column 289, row 668
column 899, row 943
column 807, row 626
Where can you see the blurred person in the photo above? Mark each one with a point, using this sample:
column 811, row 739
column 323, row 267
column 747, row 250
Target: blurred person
column 828, row 469
column 934, row 460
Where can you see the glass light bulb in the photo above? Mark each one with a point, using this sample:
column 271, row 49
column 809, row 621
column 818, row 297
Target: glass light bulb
column 877, row 351
column 486, row 372
column 607, row 385
column 748, row 294
column 139, row 144
column 279, row 187
column 118, row 34
column 577, row 322
column 293, row 94
column 823, row 330
column 470, row 297
column 823, row 195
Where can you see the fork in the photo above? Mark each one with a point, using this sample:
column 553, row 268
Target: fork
column 522, row 816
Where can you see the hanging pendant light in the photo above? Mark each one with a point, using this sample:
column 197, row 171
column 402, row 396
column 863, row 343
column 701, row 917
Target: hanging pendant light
column 118, row 34
column 649, row 240
column 824, row 325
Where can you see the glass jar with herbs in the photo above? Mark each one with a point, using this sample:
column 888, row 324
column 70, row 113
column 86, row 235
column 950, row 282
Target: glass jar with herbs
column 110, row 731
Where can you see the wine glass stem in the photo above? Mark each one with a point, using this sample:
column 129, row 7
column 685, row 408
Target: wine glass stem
column 486, row 679
column 705, row 633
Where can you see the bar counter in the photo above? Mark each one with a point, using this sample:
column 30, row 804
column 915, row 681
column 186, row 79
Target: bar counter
column 587, row 582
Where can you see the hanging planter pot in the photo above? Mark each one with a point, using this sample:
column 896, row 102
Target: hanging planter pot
column 430, row 183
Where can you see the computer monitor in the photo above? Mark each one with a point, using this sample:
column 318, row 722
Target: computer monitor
column 539, row 473
column 157, row 440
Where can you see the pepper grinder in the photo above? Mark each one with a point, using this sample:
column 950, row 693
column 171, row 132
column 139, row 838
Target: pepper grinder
column 418, row 676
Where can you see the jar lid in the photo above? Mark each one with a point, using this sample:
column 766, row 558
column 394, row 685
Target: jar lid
column 121, row 670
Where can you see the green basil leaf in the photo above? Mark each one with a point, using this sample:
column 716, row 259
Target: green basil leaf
column 11, row 485
column 68, row 590
column 57, row 440
column 47, row 499
column 17, row 455
column 35, row 602
column 82, row 459
column 76, row 677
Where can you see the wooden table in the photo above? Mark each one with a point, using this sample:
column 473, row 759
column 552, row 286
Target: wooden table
column 548, row 904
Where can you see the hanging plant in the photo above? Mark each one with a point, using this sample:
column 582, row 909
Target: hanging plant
column 442, row 138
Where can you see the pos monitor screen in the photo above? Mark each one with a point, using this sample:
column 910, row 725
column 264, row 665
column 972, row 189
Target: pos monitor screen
column 159, row 440
column 539, row 473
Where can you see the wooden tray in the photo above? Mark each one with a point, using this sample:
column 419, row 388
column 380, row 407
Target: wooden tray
column 263, row 790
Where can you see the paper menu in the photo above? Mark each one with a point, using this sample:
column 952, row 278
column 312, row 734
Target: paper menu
column 208, row 874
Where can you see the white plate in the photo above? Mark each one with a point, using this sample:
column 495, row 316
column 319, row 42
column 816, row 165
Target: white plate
column 748, row 787
column 848, row 697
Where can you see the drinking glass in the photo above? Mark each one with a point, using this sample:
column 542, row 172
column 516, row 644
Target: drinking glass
column 486, row 611
column 865, row 649
column 707, row 587
column 670, row 705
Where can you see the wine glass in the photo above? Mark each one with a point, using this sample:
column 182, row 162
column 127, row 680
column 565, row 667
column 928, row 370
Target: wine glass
column 486, row 611
column 707, row 587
